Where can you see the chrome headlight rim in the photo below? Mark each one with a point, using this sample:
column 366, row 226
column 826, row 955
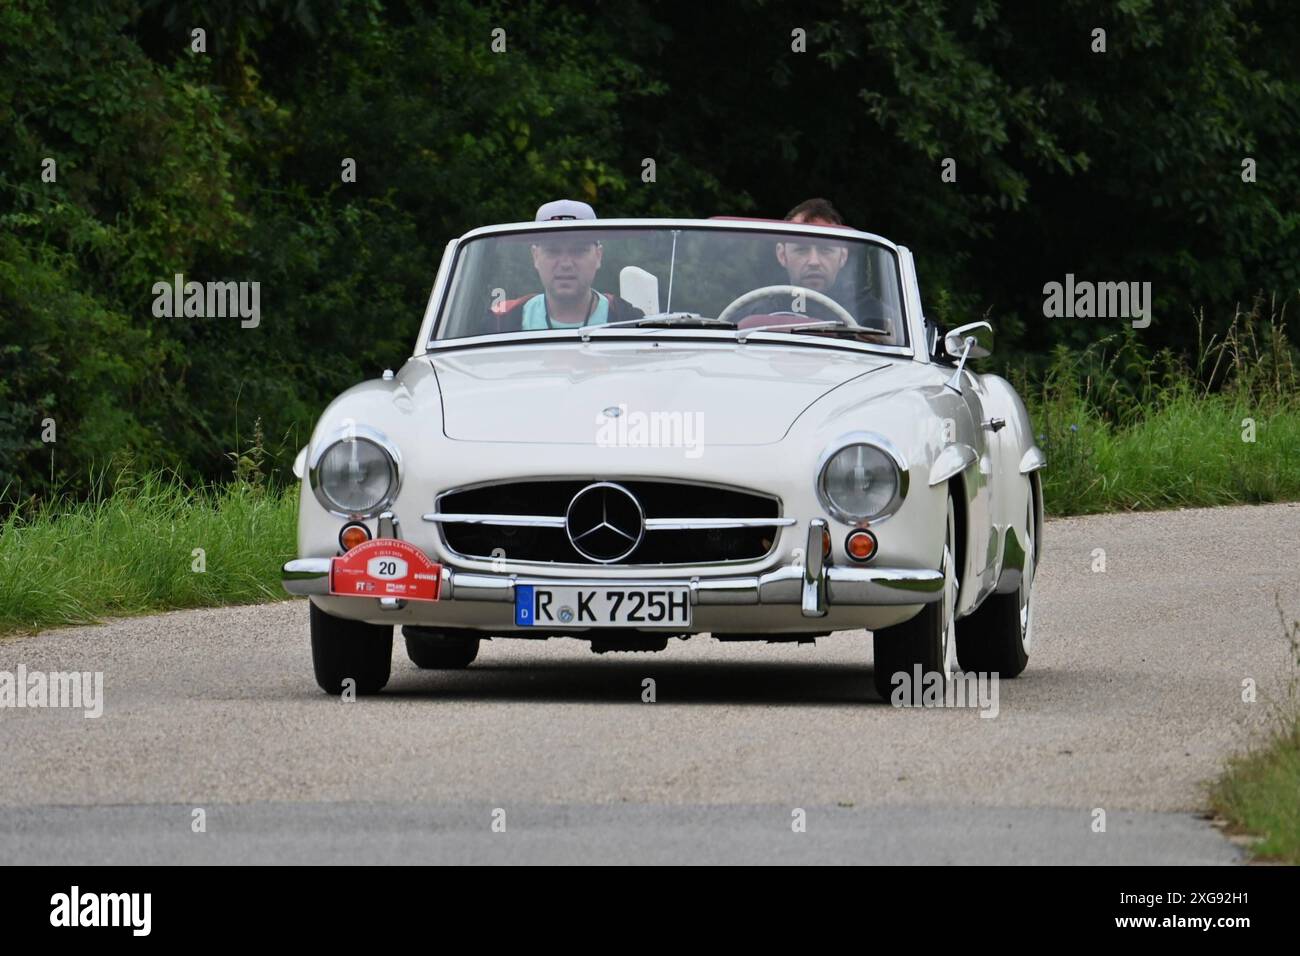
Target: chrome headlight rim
column 880, row 443
column 372, row 436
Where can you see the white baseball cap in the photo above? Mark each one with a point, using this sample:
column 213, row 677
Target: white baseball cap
column 564, row 209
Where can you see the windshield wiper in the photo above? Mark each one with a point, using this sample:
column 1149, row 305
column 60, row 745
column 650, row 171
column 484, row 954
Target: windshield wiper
column 662, row 320
column 742, row 334
column 830, row 327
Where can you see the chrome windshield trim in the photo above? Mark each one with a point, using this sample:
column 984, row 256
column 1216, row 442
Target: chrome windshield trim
column 448, row 269
column 721, row 225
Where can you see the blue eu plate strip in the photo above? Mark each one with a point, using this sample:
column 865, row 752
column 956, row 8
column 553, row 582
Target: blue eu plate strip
column 523, row 605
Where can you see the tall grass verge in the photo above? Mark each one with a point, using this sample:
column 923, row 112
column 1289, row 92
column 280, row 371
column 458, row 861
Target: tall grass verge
column 1123, row 430
column 152, row 544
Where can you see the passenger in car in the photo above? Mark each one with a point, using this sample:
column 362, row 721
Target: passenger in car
column 566, row 264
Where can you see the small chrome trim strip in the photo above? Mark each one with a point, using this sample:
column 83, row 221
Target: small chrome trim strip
column 514, row 521
column 813, row 598
column 704, row 524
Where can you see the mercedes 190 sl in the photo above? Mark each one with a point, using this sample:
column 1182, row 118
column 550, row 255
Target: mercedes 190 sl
column 626, row 431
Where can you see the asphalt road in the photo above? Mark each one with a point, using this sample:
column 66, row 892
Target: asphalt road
column 1132, row 700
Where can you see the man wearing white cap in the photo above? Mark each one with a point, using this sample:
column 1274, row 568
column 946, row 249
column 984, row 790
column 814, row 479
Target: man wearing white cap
column 567, row 263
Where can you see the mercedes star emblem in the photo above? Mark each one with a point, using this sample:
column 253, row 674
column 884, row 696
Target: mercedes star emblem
column 605, row 522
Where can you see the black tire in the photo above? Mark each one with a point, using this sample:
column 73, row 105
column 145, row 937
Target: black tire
column 440, row 650
column 343, row 650
column 920, row 640
column 993, row 639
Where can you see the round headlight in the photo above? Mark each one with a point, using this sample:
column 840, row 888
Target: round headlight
column 356, row 476
column 860, row 482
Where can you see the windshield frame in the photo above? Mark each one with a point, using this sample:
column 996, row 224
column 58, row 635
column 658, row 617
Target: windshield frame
column 435, row 311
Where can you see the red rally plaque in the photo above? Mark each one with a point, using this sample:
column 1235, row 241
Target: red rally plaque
column 386, row 567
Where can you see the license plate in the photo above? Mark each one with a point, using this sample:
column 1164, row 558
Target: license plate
column 567, row 606
column 386, row 567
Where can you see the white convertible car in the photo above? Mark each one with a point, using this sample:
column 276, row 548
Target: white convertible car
column 631, row 430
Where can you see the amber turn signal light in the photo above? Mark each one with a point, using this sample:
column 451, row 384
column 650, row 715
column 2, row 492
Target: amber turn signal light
column 861, row 545
column 353, row 535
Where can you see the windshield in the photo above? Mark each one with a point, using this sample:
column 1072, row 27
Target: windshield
column 648, row 279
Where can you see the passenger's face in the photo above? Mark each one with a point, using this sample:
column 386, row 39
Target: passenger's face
column 812, row 263
column 567, row 267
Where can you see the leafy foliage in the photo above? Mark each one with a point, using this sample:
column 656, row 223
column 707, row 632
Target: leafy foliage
column 226, row 165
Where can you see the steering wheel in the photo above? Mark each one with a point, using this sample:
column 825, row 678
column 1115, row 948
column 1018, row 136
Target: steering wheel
column 820, row 297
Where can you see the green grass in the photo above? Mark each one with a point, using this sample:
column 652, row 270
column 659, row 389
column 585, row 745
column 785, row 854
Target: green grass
column 1260, row 795
column 1188, row 452
column 1125, row 430
column 132, row 552
column 1259, row 792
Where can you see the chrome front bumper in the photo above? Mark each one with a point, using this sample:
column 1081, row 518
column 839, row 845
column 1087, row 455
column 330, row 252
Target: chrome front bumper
column 813, row 586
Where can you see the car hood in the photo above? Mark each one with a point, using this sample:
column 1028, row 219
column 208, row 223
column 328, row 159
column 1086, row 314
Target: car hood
column 551, row 394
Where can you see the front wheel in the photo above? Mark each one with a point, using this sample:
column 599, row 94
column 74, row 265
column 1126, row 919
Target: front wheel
column 923, row 645
column 343, row 650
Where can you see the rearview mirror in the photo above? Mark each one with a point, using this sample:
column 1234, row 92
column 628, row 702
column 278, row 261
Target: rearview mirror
column 639, row 288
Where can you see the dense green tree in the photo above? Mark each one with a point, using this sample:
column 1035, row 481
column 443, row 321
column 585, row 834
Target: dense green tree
column 225, row 164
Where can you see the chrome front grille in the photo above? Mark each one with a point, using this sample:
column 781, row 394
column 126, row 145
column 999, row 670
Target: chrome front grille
column 540, row 520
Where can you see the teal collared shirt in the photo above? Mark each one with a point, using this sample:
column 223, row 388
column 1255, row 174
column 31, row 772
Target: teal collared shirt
column 535, row 316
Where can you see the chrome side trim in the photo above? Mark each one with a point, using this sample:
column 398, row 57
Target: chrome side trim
column 952, row 460
column 1032, row 460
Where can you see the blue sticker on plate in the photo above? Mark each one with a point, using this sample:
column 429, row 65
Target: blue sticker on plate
column 524, row 605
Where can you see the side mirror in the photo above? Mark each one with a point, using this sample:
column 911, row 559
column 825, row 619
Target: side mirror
column 954, row 343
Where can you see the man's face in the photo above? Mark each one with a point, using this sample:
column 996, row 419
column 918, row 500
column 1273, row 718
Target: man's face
column 812, row 263
column 567, row 266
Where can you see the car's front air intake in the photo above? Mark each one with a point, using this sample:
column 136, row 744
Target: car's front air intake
column 608, row 522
